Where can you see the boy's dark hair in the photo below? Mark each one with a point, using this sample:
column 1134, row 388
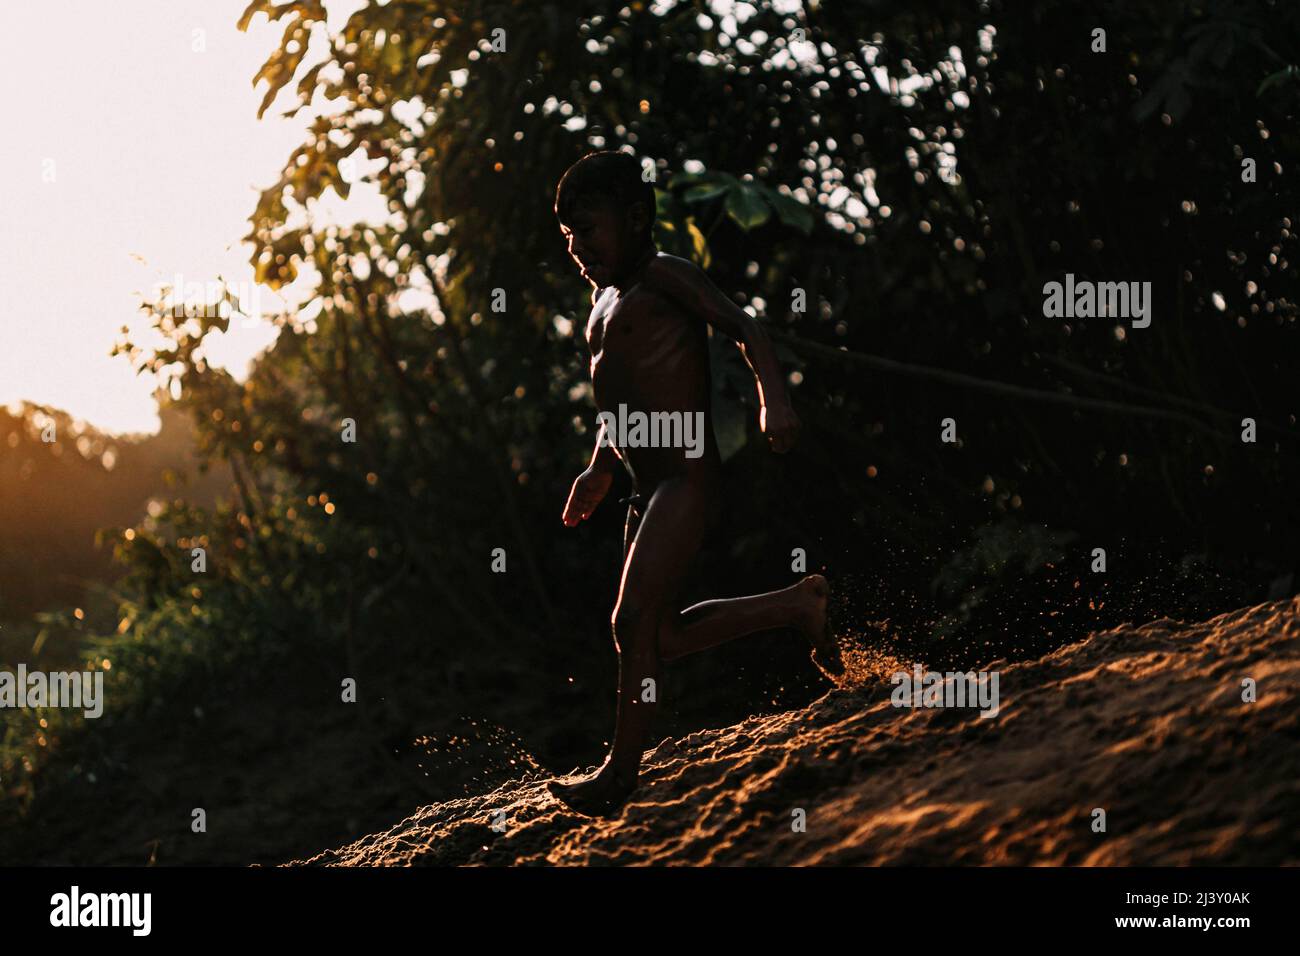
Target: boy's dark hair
column 607, row 174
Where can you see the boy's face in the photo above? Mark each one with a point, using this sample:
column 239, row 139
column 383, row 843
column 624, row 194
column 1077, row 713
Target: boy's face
column 603, row 240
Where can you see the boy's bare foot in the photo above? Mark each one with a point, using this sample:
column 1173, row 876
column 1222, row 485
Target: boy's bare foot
column 598, row 794
column 813, row 592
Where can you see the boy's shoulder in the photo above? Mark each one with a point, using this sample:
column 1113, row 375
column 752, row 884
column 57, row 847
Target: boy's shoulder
column 666, row 275
column 669, row 273
column 679, row 281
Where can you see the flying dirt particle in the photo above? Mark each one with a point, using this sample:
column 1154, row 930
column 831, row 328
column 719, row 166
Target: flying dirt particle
column 864, row 656
column 483, row 756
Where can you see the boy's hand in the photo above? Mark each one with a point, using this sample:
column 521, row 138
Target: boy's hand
column 780, row 425
column 589, row 489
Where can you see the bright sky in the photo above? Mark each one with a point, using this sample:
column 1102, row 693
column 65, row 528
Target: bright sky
column 134, row 157
column 156, row 158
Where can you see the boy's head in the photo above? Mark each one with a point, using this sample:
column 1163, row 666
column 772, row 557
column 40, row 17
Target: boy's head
column 607, row 213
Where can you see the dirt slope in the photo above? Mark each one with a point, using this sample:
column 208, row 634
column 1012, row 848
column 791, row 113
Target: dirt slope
column 1146, row 722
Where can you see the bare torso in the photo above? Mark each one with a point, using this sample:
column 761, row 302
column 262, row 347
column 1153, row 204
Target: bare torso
column 651, row 356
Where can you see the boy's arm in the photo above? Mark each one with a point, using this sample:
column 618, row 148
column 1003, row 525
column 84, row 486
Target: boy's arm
column 686, row 283
column 604, row 458
column 590, row 487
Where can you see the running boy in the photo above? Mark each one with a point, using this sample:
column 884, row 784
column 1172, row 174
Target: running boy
column 649, row 353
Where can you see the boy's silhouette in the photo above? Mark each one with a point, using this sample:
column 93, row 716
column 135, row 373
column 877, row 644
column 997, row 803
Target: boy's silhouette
column 649, row 352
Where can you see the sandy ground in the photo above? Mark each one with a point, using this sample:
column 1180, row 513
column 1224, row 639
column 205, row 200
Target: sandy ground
column 1147, row 723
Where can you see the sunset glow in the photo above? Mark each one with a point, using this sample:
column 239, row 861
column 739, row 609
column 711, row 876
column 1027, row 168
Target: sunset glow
column 140, row 165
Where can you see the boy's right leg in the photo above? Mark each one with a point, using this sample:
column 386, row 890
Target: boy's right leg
column 705, row 625
column 709, row 623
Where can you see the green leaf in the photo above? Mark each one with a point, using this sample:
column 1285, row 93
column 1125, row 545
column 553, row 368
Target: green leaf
column 791, row 211
column 708, row 176
column 704, row 191
column 746, row 206
column 667, row 207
